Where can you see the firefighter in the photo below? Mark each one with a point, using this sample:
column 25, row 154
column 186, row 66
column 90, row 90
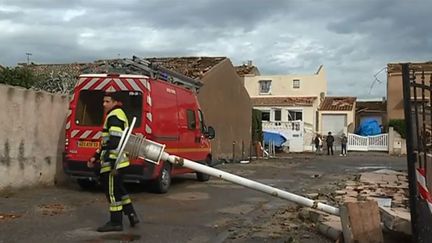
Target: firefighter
column 110, row 174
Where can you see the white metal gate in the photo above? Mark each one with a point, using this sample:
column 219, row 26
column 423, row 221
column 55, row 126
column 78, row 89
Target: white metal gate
column 367, row 143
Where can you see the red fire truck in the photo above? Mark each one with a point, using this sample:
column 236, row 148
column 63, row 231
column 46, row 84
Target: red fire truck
column 167, row 111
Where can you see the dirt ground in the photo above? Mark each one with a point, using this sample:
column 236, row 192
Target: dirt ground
column 214, row 211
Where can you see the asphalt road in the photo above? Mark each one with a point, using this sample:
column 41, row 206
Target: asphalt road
column 192, row 211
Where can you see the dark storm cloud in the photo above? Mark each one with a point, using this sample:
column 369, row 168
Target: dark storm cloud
column 353, row 39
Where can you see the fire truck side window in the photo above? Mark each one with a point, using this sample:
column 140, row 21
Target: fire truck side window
column 191, row 119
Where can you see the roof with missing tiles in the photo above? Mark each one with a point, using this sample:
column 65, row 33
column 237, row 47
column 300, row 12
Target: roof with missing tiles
column 283, row 101
column 246, row 69
column 338, row 103
column 371, row 106
column 193, row 67
column 418, row 66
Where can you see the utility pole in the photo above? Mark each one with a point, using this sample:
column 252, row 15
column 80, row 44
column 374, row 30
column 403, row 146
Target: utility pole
column 28, row 57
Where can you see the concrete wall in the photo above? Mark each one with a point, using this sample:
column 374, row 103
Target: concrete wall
column 31, row 137
column 227, row 107
column 282, row 85
column 397, row 144
column 395, row 104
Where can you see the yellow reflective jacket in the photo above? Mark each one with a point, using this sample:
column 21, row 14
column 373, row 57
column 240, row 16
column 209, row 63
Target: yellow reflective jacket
column 115, row 123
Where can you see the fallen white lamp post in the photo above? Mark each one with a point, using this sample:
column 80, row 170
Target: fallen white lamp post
column 140, row 147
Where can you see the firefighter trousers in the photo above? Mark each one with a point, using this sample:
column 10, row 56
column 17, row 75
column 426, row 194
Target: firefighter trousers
column 117, row 196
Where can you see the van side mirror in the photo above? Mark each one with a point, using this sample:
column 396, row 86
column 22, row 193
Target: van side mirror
column 210, row 133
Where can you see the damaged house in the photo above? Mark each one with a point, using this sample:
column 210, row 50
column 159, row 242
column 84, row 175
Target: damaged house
column 288, row 103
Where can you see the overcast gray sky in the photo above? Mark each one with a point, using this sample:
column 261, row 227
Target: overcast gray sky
column 353, row 39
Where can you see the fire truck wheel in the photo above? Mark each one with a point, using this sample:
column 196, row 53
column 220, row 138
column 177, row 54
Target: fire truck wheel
column 201, row 176
column 86, row 184
column 163, row 182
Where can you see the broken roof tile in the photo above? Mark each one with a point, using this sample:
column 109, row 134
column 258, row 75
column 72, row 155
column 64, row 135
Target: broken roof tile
column 417, row 66
column 283, row 101
column 193, row 67
column 337, row 103
column 371, row 106
column 246, row 69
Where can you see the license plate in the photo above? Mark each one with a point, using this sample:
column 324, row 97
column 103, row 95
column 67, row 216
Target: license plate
column 88, row 144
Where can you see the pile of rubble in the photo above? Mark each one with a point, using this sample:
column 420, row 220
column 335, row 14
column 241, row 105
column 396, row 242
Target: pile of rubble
column 387, row 187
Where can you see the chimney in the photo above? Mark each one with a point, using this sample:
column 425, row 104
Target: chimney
column 249, row 63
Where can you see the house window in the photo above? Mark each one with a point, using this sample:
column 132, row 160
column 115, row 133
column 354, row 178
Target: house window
column 296, row 84
column 265, row 115
column 295, row 115
column 264, row 86
column 191, row 119
column 277, row 115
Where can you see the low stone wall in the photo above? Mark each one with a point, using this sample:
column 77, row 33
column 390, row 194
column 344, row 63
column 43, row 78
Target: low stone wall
column 397, row 144
column 31, row 137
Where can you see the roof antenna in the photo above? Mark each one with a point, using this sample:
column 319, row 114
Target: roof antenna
column 376, row 80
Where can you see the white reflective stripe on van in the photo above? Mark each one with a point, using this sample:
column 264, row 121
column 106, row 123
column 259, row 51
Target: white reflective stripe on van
column 105, row 82
column 148, row 129
column 120, row 84
column 97, row 135
column 149, row 116
column 133, row 84
column 147, row 83
column 80, row 81
column 86, row 134
column 90, row 83
column 74, row 132
column 149, row 100
column 68, row 125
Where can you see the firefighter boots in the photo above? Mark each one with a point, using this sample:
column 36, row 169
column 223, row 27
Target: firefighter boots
column 133, row 219
column 115, row 224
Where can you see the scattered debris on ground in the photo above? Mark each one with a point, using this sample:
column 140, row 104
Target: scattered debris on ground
column 8, row 216
column 388, row 188
column 52, row 209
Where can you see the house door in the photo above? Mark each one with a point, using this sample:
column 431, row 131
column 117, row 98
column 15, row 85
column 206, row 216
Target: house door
column 334, row 123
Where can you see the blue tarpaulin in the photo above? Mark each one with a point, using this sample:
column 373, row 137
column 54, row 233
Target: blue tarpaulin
column 369, row 127
column 277, row 138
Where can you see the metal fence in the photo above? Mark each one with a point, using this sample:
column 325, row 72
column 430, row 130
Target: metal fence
column 367, row 143
column 417, row 95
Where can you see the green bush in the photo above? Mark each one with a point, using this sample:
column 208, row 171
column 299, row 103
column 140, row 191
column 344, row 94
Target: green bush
column 399, row 126
column 19, row 76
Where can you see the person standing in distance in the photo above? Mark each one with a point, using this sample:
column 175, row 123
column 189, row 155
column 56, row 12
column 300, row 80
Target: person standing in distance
column 329, row 141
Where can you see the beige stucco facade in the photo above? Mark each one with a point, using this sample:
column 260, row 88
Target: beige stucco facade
column 282, row 85
column 310, row 85
column 395, row 105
